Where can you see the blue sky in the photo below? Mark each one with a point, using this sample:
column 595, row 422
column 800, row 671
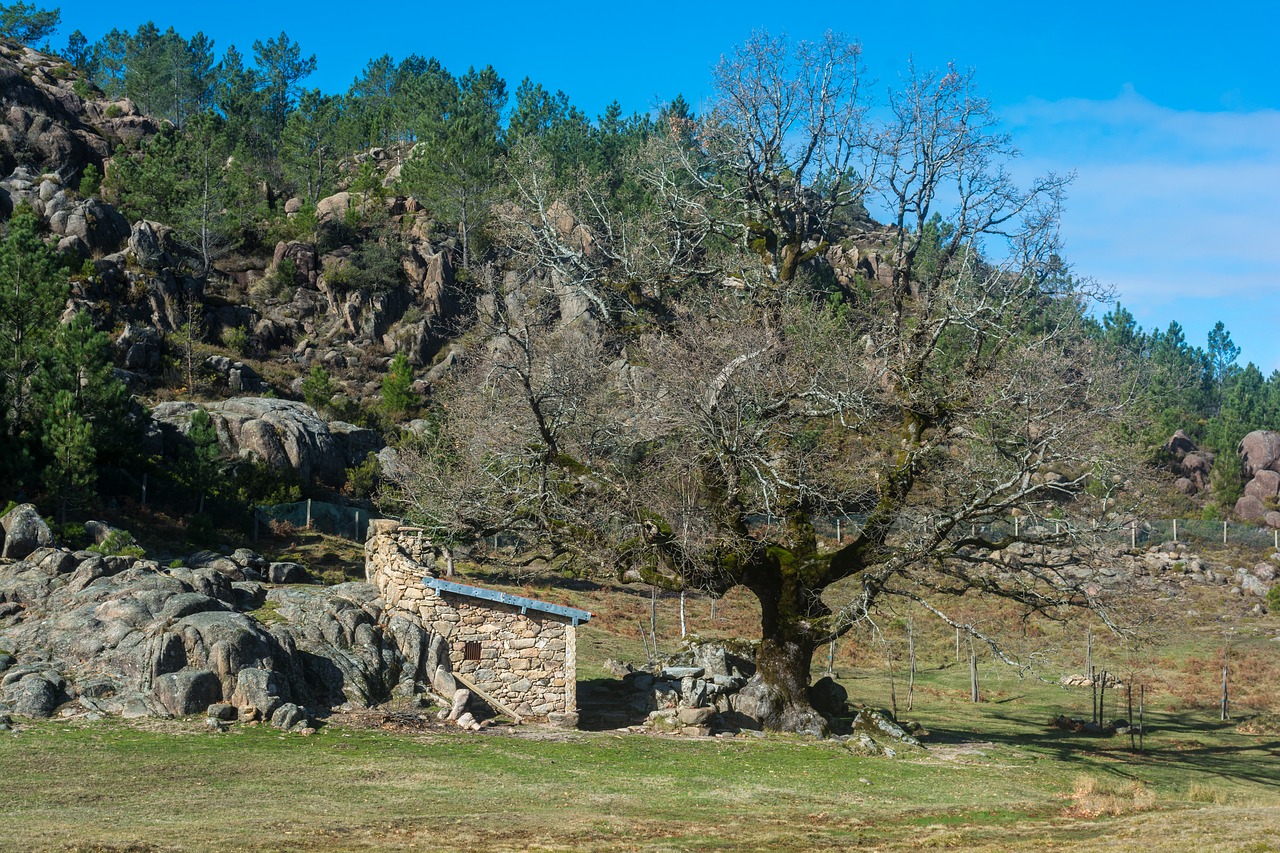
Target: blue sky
column 1169, row 113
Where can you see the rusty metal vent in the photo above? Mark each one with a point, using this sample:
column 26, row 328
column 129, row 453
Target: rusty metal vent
column 471, row 651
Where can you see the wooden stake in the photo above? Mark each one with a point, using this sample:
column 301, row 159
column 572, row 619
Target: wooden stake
column 653, row 618
column 683, row 629
column 1224, row 683
column 893, row 693
column 1093, row 708
column 1142, row 717
column 1129, row 716
column 644, row 638
column 911, row 652
column 974, row 694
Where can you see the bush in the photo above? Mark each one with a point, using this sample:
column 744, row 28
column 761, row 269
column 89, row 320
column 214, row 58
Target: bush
column 363, row 478
column 254, row 482
column 201, row 529
column 282, row 528
column 114, row 111
column 1273, row 599
column 277, row 285
column 236, row 339
column 90, row 181
column 71, row 533
column 397, row 398
column 318, row 389
column 119, row 543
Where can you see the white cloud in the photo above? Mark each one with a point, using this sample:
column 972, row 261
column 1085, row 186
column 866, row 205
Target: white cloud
column 1167, row 204
column 1175, row 209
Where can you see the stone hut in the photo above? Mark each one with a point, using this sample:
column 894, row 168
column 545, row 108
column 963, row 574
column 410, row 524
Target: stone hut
column 514, row 651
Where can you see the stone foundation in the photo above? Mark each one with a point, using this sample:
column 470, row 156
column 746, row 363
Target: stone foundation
column 525, row 660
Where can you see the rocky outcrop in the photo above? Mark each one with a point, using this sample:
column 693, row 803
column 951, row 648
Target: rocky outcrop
column 125, row 636
column 24, row 532
column 1260, row 451
column 1190, row 465
column 282, row 433
column 51, row 124
column 86, row 225
column 1260, row 459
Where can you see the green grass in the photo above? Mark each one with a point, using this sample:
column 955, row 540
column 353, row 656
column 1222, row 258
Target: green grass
column 995, row 777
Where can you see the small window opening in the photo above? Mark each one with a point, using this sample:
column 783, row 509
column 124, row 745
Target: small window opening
column 471, row 651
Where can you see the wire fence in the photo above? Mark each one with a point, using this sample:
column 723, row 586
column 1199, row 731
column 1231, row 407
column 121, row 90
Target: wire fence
column 1134, row 534
column 352, row 522
column 349, row 522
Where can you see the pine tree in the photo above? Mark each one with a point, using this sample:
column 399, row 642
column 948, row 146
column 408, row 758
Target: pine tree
column 397, row 398
column 453, row 170
column 70, row 475
column 79, row 364
column 203, row 464
column 32, row 294
column 318, row 389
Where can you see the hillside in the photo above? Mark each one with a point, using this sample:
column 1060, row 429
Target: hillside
column 667, row 350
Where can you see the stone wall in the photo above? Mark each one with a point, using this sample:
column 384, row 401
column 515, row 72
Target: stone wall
column 527, row 660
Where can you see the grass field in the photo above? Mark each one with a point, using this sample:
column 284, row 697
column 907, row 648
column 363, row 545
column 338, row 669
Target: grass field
column 995, row 775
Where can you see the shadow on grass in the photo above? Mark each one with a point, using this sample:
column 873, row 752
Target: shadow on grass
column 1179, row 744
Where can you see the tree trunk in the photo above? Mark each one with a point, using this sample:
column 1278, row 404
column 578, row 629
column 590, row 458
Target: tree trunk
column 777, row 697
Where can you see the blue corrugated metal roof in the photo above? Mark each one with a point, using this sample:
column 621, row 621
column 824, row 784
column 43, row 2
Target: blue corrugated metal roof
column 525, row 604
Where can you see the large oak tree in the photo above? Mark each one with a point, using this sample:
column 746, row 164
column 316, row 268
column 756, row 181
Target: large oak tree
column 702, row 444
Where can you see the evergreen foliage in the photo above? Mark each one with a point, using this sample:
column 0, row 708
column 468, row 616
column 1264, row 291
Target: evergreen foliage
column 397, row 398
column 28, row 23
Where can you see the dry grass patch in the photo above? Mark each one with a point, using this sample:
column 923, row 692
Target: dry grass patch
column 1094, row 796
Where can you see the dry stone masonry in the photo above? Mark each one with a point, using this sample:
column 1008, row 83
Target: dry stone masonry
column 517, row 651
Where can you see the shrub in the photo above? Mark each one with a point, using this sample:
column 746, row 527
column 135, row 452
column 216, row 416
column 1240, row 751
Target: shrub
column 90, row 181
column 236, row 338
column 397, row 398
column 363, row 478
column 255, row 482
column 71, row 533
column 114, row 111
column 1273, row 599
column 277, row 285
column 281, row 528
column 318, row 389
column 119, row 543
column 201, row 530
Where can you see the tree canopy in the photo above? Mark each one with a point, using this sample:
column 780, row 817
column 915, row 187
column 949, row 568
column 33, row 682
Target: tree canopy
column 703, row 439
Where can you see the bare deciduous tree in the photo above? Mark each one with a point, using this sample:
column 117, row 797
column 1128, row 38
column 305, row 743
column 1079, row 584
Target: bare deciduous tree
column 704, row 448
column 780, row 147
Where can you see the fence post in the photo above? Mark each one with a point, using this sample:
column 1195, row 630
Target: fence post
column 974, row 694
column 1175, row 530
column 838, row 539
column 308, row 513
column 1133, row 534
column 1224, row 533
